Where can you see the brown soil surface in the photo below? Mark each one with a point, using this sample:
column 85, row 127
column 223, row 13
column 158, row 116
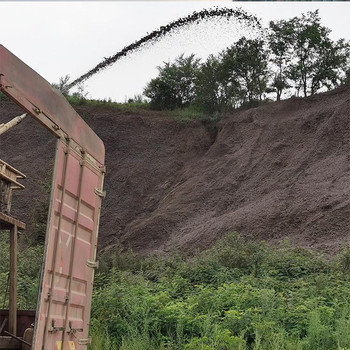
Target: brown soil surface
column 280, row 170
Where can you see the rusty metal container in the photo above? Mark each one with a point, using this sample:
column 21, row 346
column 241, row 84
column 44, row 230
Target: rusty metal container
column 63, row 309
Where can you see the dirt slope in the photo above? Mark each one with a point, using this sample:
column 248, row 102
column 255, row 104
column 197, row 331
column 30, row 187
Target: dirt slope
column 271, row 172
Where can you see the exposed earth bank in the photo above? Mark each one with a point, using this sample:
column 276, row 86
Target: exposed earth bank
column 279, row 170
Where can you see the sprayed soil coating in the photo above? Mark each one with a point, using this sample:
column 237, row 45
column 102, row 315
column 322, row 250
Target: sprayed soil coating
column 280, row 170
column 207, row 14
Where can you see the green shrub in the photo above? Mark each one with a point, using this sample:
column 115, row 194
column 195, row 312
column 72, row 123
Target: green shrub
column 3, row 97
column 236, row 295
column 29, row 263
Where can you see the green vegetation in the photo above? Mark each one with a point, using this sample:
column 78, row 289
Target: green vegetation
column 192, row 112
column 175, row 85
column 306, row 56
column 236, row 295
column 29, row 262
column 3, row 97
column 297, row 57
column 79, row 98
column 294, row 57
column 132, row 105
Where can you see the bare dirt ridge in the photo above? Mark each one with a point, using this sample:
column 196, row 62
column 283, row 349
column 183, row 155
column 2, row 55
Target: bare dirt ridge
column 279, row 170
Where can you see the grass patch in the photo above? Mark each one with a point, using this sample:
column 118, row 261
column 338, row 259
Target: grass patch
column 3, row 97
column 193, row 112
column 29, row 264
column 236, row 295
column 131, row 106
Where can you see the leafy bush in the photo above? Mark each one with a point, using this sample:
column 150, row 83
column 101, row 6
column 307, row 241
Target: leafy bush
column 297, row 57
column 236, row 295
column 175, row 85
column 3, row 97
column 29, row 263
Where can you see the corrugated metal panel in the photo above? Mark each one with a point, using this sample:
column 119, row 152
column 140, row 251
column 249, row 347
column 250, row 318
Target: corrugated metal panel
column 64, row 312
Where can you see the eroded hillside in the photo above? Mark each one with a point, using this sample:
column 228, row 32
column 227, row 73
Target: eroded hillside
column 280, row 170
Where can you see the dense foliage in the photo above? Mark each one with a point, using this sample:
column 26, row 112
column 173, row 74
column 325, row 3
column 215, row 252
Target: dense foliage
column 237, row 295
column 297, row 56
column 305, row 54
column 29, row 262
column 3, row 97
column 174, row 87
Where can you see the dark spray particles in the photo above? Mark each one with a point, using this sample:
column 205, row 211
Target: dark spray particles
column 194, row 18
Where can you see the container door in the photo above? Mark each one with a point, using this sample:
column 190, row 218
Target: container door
column 63, row 311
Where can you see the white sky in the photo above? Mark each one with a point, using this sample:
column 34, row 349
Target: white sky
column 59, row 38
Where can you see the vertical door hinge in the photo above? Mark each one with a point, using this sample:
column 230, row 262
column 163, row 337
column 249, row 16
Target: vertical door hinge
column 100, row 193
column 85, row 341
column 92, row 263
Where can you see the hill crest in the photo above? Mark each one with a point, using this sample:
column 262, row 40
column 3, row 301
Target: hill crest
column 279, row 170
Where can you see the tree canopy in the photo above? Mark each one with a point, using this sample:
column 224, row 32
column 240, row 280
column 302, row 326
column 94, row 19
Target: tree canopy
column 175, row 85
column 297, row 57
column 304, row 53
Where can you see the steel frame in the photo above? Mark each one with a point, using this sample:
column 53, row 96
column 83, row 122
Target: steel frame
column 81, row 154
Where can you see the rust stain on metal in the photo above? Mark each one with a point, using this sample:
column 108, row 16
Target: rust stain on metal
column 63, row 310
column 28, row 89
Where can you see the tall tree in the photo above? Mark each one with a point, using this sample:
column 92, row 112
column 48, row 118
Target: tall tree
column 62, row 85
column 246, row 62
column 347, row 77
column 215, row 87
column 280, row 40
column 317, row 61
column 175, row 85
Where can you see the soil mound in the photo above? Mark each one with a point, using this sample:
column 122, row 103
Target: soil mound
column 280, row 170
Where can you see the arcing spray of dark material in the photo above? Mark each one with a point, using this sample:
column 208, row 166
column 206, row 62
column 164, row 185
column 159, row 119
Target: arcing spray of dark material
column 195, row 17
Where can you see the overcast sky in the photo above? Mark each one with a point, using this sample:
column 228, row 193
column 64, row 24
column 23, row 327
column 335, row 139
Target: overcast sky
column 59, row 38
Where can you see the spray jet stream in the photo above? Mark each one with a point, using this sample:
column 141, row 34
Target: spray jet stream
column 195, row 17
